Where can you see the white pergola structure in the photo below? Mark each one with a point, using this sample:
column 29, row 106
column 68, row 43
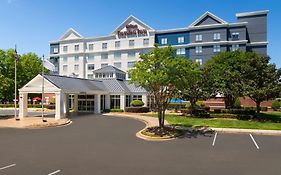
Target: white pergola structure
column 61, row 87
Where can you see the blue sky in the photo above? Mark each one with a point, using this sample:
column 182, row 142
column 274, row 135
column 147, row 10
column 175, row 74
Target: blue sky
column 31, row 24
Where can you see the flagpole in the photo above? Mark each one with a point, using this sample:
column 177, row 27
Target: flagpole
column 42, row 98
column 15, row 101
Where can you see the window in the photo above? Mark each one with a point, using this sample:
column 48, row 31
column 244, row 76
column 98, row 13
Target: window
column 117, row 64
column 217, row 36
column 65, row 48
column 198, row 38
column 104, row 45
column 76, row 58
column 181, row 51
column 91, row 46
column 64, row 59
column 217, row 48
column 114, row 101
column 90, row 76
column 146, row 41
column 64, row 68
column 91, row 57
column 235, row 36
column 234, row 47
column 103, row 65
column 117, row 44
column 128, row 100
column 198, row 49
column 104, row 56
column 181, row 39
column 200, row 61
column 131, row 64
column 131, row 54
column 137, row 97
column 91, row 66
column 131, row 43
column 164, row 40
column 117, row 55
column 76, row 67
column 76, row 47
column 56, row 50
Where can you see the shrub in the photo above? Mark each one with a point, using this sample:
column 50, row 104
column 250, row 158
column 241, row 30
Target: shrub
column 244, row 117
column 275, row 105
column 200, row 103
column 175, row 106
column 116, row 110
column 137, row 109
column 237, row 103
column 199, row 112
column 217, row 111
column 233, row 116
column 264, row 108
column 53, row 101
column 137, row 103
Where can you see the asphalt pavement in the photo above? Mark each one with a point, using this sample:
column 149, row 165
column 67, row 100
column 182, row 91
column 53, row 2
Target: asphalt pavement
column 104, row 145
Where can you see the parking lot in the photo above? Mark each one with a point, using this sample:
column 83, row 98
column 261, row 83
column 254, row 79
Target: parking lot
column 108, row 145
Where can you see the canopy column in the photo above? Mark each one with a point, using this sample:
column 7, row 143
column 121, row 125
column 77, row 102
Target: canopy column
column 59, row 105
column 122, row 101
column 75, row 106
column 97, row 103
column 144, row 99
column 23, row 105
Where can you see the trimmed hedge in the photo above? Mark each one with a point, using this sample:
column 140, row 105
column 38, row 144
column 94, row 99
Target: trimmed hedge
column 137, row 103
column 137, row 109
column 29, row 106
column 233, row 116
column 116, row 110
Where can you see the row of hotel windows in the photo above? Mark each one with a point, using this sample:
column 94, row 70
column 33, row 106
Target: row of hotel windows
column 104, row 45
column 130, row 64
column 117, row 55
column 216, row 48
column 199, row 37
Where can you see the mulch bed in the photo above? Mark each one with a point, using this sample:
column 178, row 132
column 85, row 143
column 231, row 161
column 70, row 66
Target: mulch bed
column 167, row 131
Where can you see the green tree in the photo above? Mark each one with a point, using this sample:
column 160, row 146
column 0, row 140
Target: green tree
column 223, row 75
column 261, row 79
column 155, row 73
column 190, row 81
column 275, row 105
column 28, row 67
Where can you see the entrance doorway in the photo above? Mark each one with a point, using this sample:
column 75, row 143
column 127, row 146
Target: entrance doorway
column 86, row 103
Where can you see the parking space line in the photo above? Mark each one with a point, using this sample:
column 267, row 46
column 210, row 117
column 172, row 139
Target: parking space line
column 8, row 166
column 55, row 172
column 254, row 141
column 214, row 141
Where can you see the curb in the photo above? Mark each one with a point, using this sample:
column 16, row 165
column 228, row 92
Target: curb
column 248, row 131
column 68, row 122
column 139, row 134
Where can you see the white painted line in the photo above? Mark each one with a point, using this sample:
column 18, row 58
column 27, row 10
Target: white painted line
column 214, row 141
column 254, row 141
column 55, row 172
column 8, row 166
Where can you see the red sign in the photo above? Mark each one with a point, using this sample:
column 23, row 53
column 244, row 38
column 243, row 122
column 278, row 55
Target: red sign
column 132, row 29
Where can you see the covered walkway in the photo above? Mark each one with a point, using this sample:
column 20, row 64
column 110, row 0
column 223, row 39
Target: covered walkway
column 62, row 87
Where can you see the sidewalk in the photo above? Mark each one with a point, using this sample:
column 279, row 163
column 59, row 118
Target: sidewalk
column 152, row 121
column 32, row 122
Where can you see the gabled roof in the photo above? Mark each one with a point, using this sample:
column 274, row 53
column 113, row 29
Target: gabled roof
column 109, row 68
column 69, row 32
column 207, row 14
column 72, row 84
column 130, row 19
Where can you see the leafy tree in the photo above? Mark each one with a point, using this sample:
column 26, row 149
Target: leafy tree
column 237, row 103
column 275, row 105
column 223, row 75
column 190, row 81
column 28, row 67
column 155, row 73
column 261, row 79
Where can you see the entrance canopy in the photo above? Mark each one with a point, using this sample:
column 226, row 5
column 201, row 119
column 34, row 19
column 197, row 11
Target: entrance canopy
column 61, row 86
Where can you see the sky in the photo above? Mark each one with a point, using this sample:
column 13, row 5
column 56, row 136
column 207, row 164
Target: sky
column 32, row 24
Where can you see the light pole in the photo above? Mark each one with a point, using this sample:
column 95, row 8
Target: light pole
column 16, row 56
column 42, row 99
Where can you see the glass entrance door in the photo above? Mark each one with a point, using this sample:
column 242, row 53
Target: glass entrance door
column 86, row 103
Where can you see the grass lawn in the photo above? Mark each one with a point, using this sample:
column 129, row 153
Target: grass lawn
column 228, row 123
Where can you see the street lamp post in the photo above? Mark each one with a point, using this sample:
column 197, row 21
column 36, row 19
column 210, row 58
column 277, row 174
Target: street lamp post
column 15, row 101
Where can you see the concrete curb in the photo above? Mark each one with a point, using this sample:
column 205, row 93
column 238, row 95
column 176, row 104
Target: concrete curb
column 221, row 130
column 139, row 133
column 68, row 122
column 248, row 131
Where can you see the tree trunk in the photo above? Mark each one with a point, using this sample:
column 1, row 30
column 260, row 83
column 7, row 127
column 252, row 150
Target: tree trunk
column 229, row 101
column 258, row 105
column 160, row 117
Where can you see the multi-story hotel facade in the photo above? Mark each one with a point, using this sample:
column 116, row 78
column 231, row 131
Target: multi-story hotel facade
column 208, row 35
